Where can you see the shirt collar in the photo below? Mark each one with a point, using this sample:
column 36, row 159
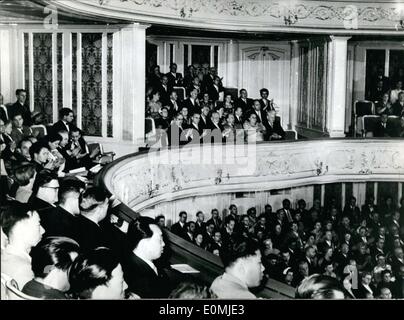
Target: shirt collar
column 18, row 252
column 228, row 277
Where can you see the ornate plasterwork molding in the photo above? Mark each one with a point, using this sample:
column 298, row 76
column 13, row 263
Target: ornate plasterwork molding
column 257, row 8
column 314, row 16
column 144, row 180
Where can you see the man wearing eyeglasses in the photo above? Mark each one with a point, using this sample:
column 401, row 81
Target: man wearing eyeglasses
column 46, row 195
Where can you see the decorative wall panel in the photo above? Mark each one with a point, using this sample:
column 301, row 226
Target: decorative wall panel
column 110, row 85
column 59, row 55
column 26, row 63
column 91, row 84
column 43, row 76
column 74, row 73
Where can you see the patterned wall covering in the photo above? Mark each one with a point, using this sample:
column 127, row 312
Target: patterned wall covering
column 91, row 83
column 59, row 55
column 26, row 62
column 43, row 77
column 312, row 108
column 303, row 85
column 74, row 73
column 110, row 85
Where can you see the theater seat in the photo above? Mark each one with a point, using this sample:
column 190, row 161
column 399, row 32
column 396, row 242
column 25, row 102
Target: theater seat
column 102, row 157
column 362, row 108
column 10, row 290
column 41, row 129
column 180, row 92
column 291, row 135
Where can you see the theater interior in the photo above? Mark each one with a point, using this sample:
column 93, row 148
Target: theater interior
column 333, row 71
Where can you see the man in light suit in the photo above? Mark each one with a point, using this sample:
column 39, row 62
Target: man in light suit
column 20, row 131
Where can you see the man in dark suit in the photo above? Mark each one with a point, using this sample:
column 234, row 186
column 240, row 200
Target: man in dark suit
column 398, row 106
column 20, row 107
column 287, row 211
column 215, row 219
column 174, row 78
column 200, row 225
column 384, row 128
column 61, row 221
column 243, row 101
column 165, row 90
column 238, row 118
column 174, row 104
column 66, row 120
column 215, row 89
column 175, row 132
column 196, row 133
column 192, row 102
column 93, row 226
column 274, row 130
column 205, row 122
column 380, row 77
column 143, row 276
column 352, row 211
column 180, row 228
column 258, row 111
column 216, row 129
column 266, row 105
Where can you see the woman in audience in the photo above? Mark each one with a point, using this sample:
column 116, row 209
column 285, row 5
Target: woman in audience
column 254, row 130
column 40, row 157
column 24, row 182
column 154, row 105
column 97, row 275
column 51, row 261
column 52, row 141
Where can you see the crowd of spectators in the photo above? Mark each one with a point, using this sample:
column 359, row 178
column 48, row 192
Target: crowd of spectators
column 388, row 98
column 361, row 248
column 206, row 111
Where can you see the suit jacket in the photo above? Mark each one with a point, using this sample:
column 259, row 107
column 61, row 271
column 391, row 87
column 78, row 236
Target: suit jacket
column 164, row 94
column 59, row 223
column 174, row 80
column 143, row 281
column 214, row 93
column 18, row 134
column 275, row 128
column 380, row 131
column 175, row 136
column 192, row 107
column 60, row 126
column 89, row 235
column 262, row 118
column 245, row 105
column 173, row 111
column 266, row 106
column 361, row 292
column 205, row 124
column 218, row 223
column 397, row 109
column 17, row 108
column 178, row 230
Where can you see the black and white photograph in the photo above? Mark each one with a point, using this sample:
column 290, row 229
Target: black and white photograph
column 202, row 150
